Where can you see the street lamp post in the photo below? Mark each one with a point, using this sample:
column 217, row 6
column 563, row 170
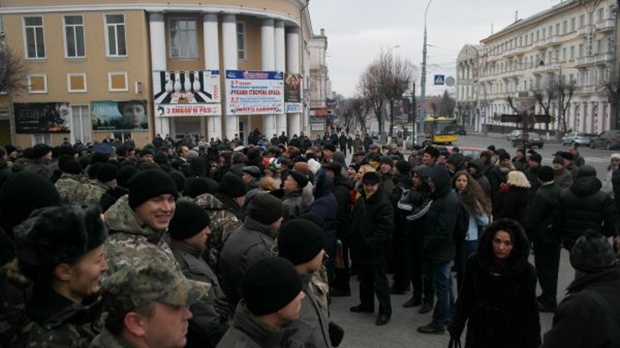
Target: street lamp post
column 423, row 81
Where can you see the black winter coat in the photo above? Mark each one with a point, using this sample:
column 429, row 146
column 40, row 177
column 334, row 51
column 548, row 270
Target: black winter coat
column 373, row 222
column 590, row 315
column 542, row 219
column 513, row 204
column 501, row 307
column 441, row 220
column 584, row 206
column 342, row 191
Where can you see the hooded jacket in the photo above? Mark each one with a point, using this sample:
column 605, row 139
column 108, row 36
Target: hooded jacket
column 325, row 204
column 584, row 206
column 480, row 177
column 246, row 331
column 441, row 221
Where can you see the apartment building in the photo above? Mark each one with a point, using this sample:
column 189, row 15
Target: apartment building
column 567, row 42
column 141, row 68
column 467, row 69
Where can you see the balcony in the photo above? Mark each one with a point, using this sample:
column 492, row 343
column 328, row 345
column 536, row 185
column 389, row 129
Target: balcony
column 604, row 58
column 540, row 44
column 586, row 90
column 547, row 68
column 585, row 61
column 585, row 30
column 606, row 25
column 555, row 40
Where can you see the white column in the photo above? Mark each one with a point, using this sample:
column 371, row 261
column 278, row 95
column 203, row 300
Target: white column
column 212, row 62
column 158, row 62
column 292, row 63
column 229, row 45
column 280, row 65
column 267, row 38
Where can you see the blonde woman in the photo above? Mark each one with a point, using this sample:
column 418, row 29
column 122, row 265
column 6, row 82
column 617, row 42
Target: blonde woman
column 513, row 196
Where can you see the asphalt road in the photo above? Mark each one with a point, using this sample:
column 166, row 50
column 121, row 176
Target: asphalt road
column 401, row 331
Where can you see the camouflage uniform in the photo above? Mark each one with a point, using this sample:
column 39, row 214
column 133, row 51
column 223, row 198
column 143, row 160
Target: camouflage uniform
column 223, row 223
column 75, row 325
column 71, row 188
column 134, row 287
column 131, row 243
column 95, row 189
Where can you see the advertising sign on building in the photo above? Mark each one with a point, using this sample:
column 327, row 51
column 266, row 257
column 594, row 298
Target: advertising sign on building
column 254, row 92
column 42, row 118
column 126, row 115
column 331, row 103
column 292, row 93
column 187, row 93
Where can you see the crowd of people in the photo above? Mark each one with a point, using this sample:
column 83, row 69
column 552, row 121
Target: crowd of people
column 218, row 244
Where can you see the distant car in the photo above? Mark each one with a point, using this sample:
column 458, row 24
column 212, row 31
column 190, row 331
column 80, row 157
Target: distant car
column 608, row 140
column 577, row 138
column 469, row 152
column 460, row 130
column 533, row 139
column 513, row 135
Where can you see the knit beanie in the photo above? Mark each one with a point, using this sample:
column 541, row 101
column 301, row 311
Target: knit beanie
column 585, row 171
column 231, row 185
column 107, row 172
column 269, row 285
column 545, row 174
column 504, row 156
column 149, row 183
column 125, row 174
column 72, row 167
column 179, row 179
column 536, row 157
column 10, row 149
column 404, row 168
column 372, row 178
column 265, row 208
column 197, row 186
column 299, row 178
column 40, row 150
column 188, row 220
column 456, row 159
column 300, row 241
column 592, row 253
column 21, row 194
column 314, row 218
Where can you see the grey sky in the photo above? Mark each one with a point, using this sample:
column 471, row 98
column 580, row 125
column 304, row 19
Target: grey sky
column 358, row 30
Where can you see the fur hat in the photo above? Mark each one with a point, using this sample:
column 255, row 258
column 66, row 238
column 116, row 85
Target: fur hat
column 592, row 253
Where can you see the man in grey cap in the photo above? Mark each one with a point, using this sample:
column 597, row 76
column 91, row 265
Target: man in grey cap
column 148, row 306
column 250, row 176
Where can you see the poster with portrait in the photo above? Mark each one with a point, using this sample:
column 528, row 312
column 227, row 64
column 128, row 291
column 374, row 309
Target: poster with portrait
column 292, row 93
column 187, row 93
column 42, row 118
column 126, row 115
column 254, row 92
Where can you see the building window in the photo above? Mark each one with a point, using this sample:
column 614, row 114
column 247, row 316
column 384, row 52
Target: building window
column 74, row 36
column 573, row 24
column 564, row 27
column 241, row 47
column 582, row 21
column 572, row 52
column 599, row 46
column 183, row 38
column 37, row 83
column 81, row 128
column 563, row 54
column 117, row 82
column 76, row 82
column 35, row 42
column 601, row 14
column 115, row 29
column 557, row 29
column 42, row 138
column 580, row 50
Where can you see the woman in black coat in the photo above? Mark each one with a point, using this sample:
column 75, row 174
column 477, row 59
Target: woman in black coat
column 513, row 197
column 498, row 297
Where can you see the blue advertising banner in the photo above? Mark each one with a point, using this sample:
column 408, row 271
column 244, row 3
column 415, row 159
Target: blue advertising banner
column 254, row 92
column 111, row 115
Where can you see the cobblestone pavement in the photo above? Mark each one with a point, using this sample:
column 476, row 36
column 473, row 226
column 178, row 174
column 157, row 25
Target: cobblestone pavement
column 401, row 331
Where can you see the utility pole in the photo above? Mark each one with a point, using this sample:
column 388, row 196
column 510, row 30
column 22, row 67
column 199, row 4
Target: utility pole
column 423, row 81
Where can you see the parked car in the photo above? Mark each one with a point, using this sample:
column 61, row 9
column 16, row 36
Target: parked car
column 471, row 153
column 577, row 138
column 533, row 139
column 608, row 139
column 455, row 129
column 513, row 135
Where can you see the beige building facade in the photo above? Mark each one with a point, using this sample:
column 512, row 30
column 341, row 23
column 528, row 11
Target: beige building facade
column 566, row 42
column 141, row 68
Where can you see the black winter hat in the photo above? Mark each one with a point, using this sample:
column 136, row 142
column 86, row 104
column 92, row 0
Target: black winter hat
column 330, row 147
column 456, row 159
column 197, row 186
column 150, row 183
column 545, row 174
column 40, row 150
column 312, row 217
column 300, row 179
column 333, row 166
column 72, row 167
column 55, row 235
column 179, row 179
column 125, row 174
column 107, row 172
column 592, row 253
column 265, row 208
column 371, row 178
column 536, row 157
column 422, row 170
column 504, row 156
column 586, row 170
column 21, row 194
column 231, row 185
column 254, row 171
column 300, row 241
column 189, row 219
column 403, row 167
column 10, row 149
column 269, row 285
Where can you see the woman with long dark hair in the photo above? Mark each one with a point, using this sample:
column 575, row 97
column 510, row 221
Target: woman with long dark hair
column 498, row 297
column 476, row 215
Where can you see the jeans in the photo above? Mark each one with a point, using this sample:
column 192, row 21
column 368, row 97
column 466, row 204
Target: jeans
column 439, row 275
column 422, row 287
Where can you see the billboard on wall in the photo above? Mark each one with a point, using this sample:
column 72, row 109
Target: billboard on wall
column 126, row 115
column 187, row 93
column 42, row 118
column 292, row 93
column 254, row 92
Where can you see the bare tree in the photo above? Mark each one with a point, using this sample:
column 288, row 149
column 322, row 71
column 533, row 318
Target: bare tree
column 447, row 105
column 371, row 88
column 12, row 72
column 611, row 86
column 544, row 97
column 564, row 91
column 360, row 107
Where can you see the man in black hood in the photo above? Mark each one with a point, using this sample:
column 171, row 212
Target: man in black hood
column 476, row 169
